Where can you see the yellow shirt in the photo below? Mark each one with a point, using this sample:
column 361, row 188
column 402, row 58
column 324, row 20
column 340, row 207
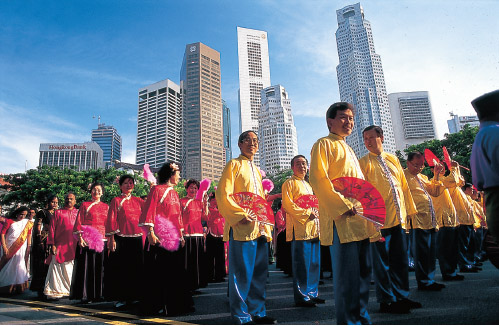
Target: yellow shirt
column 479, row 213
column 240, row 175
column 332, row 158
column 477, row 223
column 297, row 218
column 444, row 208
column 374, row 173
column 422, row 220
column 464, row 210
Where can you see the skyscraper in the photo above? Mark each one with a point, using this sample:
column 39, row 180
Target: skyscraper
column 277, row 130
column 110, row 141
column 159, row 124
column 413, row 121
column 254, row 75
column 227, row 129
column 202, row 113
column 360, row 77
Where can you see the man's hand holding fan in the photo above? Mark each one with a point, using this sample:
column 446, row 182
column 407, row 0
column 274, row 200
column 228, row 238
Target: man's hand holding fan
column 256, row 207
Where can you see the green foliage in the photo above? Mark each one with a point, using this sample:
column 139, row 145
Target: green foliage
column 401, row 158
column 278, row 179
column 458, row 145
column 33, row 187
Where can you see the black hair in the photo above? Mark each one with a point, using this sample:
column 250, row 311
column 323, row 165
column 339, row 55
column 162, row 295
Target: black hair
column 166, row 172
column 191, row 181
column 18, row 211
column 338, row 106
column 50, row 198
column 95, row 184
column 124, row 177
column 297, row 157
column 412, row 155
column 378, row 130
column 466, row 186
column 243, row 136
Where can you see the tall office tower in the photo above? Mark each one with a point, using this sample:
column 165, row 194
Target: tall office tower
column 277, row 130
column 413, row 121
column 227, row 128
column 202, row 105
column 360, row 77
column 159, row 124
column 110, row 141
column 457, row 123
column 254, row 75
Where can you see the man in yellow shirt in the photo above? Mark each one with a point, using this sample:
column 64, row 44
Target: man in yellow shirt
column 447, row 222
column 390, row 262
column 424, row 222
column 475, row 238
column 464, row 211
column 348, row 233
column 480, row 225
column 248, row 239
column 302, row 229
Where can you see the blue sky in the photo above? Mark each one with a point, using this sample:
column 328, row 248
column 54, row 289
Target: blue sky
column 63, row 62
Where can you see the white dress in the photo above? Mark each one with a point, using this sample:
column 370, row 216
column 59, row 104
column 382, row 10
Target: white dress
column 15, row 271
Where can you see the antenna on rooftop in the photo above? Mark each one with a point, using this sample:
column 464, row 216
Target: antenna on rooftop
column 98, row 119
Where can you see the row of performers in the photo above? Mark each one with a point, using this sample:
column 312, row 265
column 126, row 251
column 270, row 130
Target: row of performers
column 118, row 251
column 417, row 209
column 427, row 219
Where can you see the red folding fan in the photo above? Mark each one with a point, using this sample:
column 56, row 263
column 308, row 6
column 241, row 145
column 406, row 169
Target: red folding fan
column 256, row 206
column 448, row 160
column 430, row 158
column 372, row 205
column 308, row 201
column 446, row 156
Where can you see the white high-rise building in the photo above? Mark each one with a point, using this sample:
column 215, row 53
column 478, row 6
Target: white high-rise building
column 254, row 75
column 80, row 156
column 159, row 124
column 278, row 141
column 360, row 77
column 457, row 123
column 413, row 121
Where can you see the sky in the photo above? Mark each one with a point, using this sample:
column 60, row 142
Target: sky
column 62, row 63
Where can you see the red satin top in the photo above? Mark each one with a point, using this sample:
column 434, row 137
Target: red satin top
column 170, row 208
column 192, row 215
column 61, row 234
column 123, row 217
column 215, row 222
column 95, row 217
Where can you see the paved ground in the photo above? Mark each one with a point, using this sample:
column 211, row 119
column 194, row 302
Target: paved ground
column 472, row 301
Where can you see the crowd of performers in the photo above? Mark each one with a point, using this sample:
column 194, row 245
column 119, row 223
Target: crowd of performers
column 113, row 252
column 160, row 251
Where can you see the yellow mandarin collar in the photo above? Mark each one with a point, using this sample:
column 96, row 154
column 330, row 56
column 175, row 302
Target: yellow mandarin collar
column 242, row 157
column 294, row 176
column 335, row 136
column 376, row 155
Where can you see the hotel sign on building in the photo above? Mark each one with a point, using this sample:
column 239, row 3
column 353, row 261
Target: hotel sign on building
column 83, row 156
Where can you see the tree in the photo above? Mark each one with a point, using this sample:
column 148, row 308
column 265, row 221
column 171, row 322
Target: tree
column 33, row 187
column 458, row 145
column 278, row 179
